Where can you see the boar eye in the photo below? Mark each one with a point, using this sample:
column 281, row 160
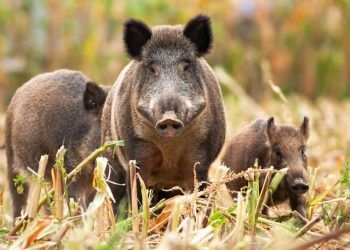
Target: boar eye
column 187, row 67
column 277, row 152
column 152, row 69
column 302, row 151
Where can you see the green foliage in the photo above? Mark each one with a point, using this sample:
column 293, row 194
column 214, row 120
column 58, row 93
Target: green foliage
column 217, row 218
column 116, row 239
column 19, row 181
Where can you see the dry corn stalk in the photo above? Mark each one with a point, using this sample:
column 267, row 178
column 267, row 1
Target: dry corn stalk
column 58, row 189
column 103, row 222
column 60, row 234
column 263, row 194
column 145, row 208
column 58, row 182
column 84, row 163
column 29, row 236
column 35, row 196
column 161, row 220
column 134, row 206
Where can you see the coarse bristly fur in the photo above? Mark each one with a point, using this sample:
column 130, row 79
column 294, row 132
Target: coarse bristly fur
column 272, row 145
column 167, row 81
column 59, row 108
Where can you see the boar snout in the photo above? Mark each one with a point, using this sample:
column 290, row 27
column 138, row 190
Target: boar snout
column 169, row 125
column 299, row 186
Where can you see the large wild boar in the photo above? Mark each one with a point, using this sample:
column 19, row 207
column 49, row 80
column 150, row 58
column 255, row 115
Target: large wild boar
column 272, row 145
column 166, row 105
column 53, row 109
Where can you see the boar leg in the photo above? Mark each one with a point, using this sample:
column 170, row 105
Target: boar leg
column 297, row 202
column 18, row 200
column 202, row 176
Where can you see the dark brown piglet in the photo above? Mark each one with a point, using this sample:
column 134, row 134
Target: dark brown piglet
column 272, row 145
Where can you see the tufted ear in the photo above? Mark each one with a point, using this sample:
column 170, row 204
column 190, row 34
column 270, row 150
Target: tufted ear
column 270, row 128
column 198, row 31
column 94, row 97
column 305, row 127
column 136, row 35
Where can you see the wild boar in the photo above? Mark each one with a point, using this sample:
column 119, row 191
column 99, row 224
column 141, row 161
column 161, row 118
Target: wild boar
column 272, row 145
column 166, row 105
column 59, row 108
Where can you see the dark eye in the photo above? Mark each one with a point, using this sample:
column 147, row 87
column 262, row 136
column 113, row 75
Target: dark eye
column 187, row 67
column 277, row 152
column 152, row 69
column 302, row 150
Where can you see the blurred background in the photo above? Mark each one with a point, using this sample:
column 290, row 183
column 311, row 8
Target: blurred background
column 304, row 44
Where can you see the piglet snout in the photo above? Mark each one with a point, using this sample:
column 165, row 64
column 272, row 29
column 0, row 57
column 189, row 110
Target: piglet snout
column 299, row 186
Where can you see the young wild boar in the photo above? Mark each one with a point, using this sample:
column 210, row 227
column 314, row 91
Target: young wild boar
column 50, row 110
column 272, row 145
column 166, row 105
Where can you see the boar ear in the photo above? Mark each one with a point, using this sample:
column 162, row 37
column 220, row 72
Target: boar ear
column 198, row 31
column 305, row 127
column 270, row 128
column 94, row 97
column 136, row 35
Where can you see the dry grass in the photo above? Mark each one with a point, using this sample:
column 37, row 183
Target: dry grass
column 210, row 219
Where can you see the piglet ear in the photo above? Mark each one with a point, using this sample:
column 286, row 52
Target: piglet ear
column 270, row 128
column 136, row 35
column 305, row 128
column 198, row 31
column 94, row 97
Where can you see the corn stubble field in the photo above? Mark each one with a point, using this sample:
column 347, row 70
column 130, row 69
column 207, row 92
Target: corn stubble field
column 191, row 221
